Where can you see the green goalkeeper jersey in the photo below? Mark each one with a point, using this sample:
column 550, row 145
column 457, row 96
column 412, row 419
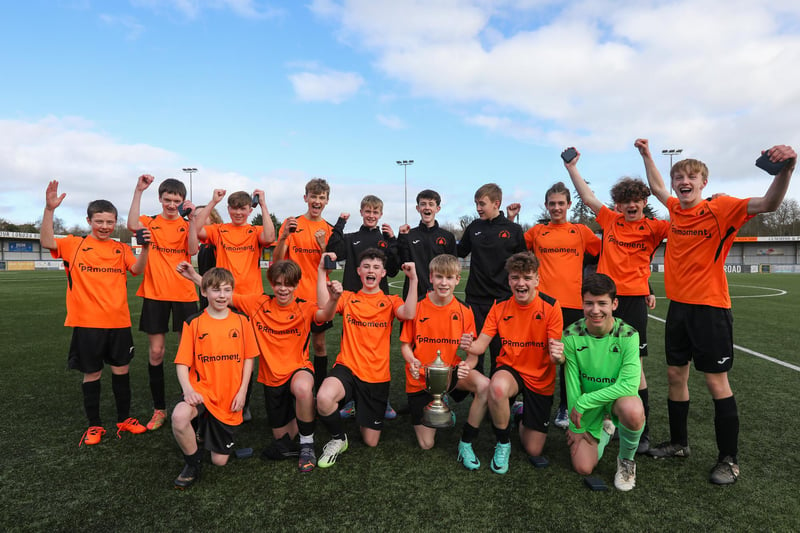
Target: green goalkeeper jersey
column 598, row 371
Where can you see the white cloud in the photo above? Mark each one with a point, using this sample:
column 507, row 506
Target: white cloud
column 392, row 122
column 708, row 74
column 329, row 86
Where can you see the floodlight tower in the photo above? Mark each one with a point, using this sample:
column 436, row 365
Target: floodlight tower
column 190, row 171
column 405, row 164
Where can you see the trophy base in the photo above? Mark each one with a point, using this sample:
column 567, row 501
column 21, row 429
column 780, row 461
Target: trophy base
column 437, row 419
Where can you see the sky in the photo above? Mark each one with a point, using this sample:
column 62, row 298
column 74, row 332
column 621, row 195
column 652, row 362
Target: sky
column 269, row 94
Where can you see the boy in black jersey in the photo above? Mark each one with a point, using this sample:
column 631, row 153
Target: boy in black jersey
column 491, row 239
column 421, row 244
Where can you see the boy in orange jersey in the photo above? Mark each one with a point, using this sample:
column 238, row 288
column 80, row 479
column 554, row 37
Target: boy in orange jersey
column 529, row 326
column 361, row 372
column 444, row 324
column 97, row 307
column 172, row 240
column 214, row 363
column 629, row 242
column 560, row 246
column 238, row 243
column 303, row 240
column 282, row 325
column 699, row 321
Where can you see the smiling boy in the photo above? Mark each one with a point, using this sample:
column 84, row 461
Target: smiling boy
column 361, row 372
column 214, row 363
column 602, row 371
column 238, row 244
column 303, row 240
column 97, row 307
column 529, row 327
column 489, row 241
column 699, row 321
column 560, row 246
column 443, row 324
column 428, row 240
column 164, row 292
column 629, row 242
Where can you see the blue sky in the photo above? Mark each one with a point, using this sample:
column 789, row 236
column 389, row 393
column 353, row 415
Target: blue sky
column 269, row 94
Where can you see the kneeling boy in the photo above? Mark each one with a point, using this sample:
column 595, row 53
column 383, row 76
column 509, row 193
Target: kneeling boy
column 214, row 363
column 361, row 372
column 602, row 375
column 529, row 326
column 444, row 324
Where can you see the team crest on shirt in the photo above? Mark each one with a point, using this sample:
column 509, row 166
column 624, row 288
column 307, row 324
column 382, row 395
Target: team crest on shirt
column 538, row 316
column 441, row 241
column 182, row 230
column 233, row 334
column 381, row 304
column 454, row 316
column 504, row 234
column 382, row 244
column 615, row 349
column 572, row 230
column 117, row 251
column 251, row 230
column 291, row 317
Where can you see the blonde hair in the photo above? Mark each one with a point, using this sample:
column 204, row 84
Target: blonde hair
column 445, row 264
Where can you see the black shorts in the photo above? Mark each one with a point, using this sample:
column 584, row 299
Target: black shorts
column 535, row 407
column 216, row 436
column 91, row 347
column 155, row 315
column 319, row 328
column 633, row 310
column 570, row 316
column 418, row 400
column 701, row 333
column 370, row 398
column 279, row 402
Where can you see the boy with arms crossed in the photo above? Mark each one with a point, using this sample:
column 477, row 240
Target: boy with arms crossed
column 560, row 246
column 361, row 372
column 303, row 240
column 699, row 321
column 602, row 371
column 97, row 307
column 282, row 325
column 238, row 244
column 421, row 244
column 443, row 323
column 214, row 363
column 172, row 240
column 529, row 327
column 491, row 239
column 629, row 242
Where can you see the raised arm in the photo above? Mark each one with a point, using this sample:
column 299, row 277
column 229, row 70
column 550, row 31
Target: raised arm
column 267, row 235
column 584, row 191
column 780, row 183
column 408, row 310
column 654, row 179
column 52, row 200
column 328, row 292
column 202, row 215
column 282, row 246
column 142, row 183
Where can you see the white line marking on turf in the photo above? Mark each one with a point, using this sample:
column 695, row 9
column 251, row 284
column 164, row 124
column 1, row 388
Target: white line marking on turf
column 749, row 351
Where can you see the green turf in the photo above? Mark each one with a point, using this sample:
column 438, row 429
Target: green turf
column 49, row 483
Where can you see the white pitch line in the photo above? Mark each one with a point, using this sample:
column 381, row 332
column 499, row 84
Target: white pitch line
column 751, row 352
